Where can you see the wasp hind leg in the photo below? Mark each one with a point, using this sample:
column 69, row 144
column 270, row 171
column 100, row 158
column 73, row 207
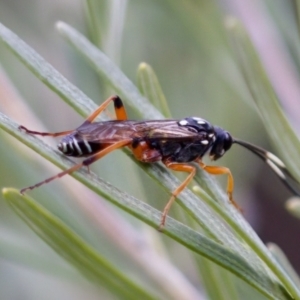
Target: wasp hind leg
column 87, row 162
column 119, row 109
column 176, row 167
column 53, row 134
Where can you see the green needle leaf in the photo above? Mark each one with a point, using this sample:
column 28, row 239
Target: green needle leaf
column 149, row 86
column 110, row 72
column 70, row 246
column 265, row 98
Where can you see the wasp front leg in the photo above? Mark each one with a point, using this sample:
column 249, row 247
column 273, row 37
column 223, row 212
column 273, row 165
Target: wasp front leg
column 176, row 167
column 217, row 170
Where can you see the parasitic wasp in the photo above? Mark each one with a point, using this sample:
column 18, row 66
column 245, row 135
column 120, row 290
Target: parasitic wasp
column 175, row 143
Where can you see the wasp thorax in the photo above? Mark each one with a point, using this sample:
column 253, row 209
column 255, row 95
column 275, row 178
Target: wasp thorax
column 196, row 124
column 223, row 142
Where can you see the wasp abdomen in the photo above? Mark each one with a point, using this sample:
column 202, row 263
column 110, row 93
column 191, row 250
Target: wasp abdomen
column 78, row 148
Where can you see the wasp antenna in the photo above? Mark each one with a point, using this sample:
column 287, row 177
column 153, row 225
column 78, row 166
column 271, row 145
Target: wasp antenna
column 275, row 163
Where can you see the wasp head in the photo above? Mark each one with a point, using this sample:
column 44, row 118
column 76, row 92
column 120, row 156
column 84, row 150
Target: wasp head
column 222, row 143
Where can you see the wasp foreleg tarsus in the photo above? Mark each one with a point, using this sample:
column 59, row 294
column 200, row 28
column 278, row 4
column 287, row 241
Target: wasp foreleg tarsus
column 218, row 170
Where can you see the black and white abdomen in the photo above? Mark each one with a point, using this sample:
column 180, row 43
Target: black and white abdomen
column 71, row 146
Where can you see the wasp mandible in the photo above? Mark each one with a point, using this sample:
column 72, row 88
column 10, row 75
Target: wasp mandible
column 176, row 143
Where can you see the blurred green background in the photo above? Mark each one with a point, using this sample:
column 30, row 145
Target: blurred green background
column 188, row 47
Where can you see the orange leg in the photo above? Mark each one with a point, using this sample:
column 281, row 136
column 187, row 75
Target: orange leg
column 119, row 109
column 217, row 170
column 85, row 162
column 176, row 167
column 45, row 133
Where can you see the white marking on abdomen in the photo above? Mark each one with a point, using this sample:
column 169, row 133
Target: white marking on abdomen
column 64, row 147
column 76, row 146
column 88, row 147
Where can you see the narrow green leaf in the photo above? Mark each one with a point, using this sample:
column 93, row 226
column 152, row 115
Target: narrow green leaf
column 46, row 73
column 12, row 249
column 284, row 262
column 106, row 24
column 281, row 133
column 297, row 4
column 276, row 123
column 110, row 72
column 70, row 246
column 218, row 282
column 95, row 24
column 149, row 86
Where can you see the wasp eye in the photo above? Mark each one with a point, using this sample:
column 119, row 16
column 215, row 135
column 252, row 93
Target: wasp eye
column 222, row 143
column 227, row 142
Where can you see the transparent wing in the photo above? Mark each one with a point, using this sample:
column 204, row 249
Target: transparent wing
column 112, row 131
